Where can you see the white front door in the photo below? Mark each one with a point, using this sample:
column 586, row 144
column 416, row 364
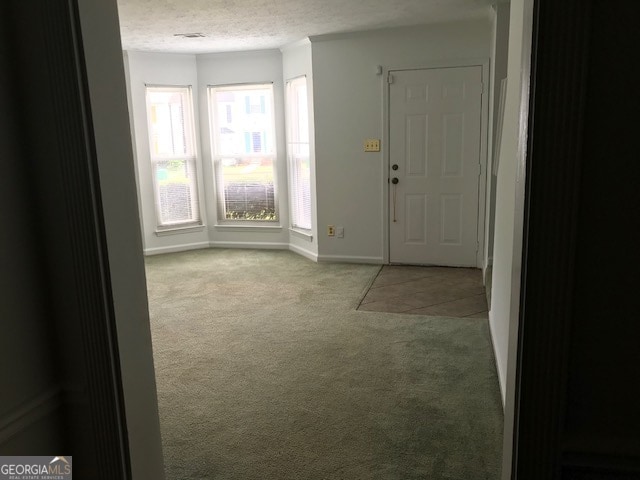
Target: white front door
column 435, row 124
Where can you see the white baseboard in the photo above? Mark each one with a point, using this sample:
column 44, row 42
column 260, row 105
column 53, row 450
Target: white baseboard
column 485, row 267
column 267, row 246
column 350, row 259
column 304, row 252
column 29, row 413
column 255, row 245
column 499, row 368
column 176, row 248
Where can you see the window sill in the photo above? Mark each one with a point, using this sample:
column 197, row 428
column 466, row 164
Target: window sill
column 248, row 228
column 304, row 234
column 179, row 230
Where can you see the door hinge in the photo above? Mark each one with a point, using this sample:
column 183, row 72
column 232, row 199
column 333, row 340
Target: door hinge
column 390, row 79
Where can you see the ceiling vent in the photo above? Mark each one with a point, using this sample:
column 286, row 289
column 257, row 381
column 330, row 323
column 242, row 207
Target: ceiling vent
column 189, row 35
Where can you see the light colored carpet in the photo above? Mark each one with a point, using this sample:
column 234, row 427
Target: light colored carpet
column 266, row 370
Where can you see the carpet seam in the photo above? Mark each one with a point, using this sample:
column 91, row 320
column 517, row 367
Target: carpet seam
column 366, row 289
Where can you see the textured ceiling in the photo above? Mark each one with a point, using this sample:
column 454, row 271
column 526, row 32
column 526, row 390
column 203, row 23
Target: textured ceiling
column 232, row 25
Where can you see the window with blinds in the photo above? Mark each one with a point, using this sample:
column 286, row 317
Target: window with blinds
column 173, row 156
column 244, row 152
column 298, row 153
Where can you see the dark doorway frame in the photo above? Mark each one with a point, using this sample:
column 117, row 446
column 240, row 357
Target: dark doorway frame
column 576, row 415
column 53, row 131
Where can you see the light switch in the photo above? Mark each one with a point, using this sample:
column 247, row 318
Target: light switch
column 372, row 145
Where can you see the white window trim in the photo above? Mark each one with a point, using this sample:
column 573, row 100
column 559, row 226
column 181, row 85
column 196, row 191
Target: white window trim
column 180, row 230
column 252, row 227
column 302, row 233
column 291, row 158
column 192, row 159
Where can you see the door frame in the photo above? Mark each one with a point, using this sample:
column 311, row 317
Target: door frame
column 484, row 144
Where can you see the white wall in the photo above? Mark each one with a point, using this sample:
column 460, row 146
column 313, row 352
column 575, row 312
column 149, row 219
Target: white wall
column 263, row 66
column 348, row 102
column 297, row 61
column 501, row 295
column 509, row 229
column 143, row 69
column 106, row 85
column 499, row 57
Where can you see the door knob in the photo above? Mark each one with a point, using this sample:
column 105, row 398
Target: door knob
column 394, row 180
column 394, row 167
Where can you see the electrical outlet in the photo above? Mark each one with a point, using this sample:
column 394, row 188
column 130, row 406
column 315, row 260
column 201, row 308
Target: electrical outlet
column 331, row 230
column 340, row 232
column 372, row 145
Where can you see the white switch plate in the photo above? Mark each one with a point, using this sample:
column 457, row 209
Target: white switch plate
column 372, row 145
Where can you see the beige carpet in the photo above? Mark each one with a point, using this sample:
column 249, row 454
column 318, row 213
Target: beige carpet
column 266, row 370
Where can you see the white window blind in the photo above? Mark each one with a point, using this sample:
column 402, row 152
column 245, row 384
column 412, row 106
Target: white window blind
column 173, row 158
column 244, row 152
column 298, row 153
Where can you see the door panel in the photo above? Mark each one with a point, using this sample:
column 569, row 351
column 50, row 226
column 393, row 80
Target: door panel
column 417, row 145
column 451, row 218
column 416, row 208
column 435, row 123
column 453, row 158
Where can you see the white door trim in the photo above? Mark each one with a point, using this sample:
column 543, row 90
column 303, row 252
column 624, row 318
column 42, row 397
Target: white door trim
column 484, row 125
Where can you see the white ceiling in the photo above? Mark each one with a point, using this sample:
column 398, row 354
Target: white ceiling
column 232, row 25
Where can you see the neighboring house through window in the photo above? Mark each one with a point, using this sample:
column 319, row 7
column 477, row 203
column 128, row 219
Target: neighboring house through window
column 244, row 152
